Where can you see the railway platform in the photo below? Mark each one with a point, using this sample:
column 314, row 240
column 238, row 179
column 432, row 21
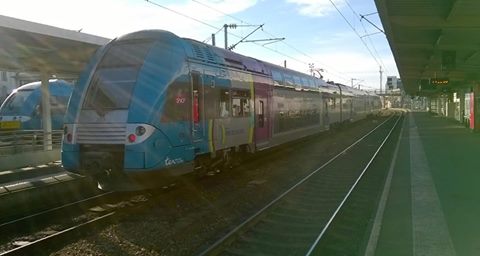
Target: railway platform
column 430, row 204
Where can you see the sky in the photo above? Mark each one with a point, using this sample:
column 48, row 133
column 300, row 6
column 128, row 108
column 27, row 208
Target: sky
column 314, row 30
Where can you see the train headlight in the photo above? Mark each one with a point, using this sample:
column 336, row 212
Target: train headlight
column 68, row 130
column 140, row 130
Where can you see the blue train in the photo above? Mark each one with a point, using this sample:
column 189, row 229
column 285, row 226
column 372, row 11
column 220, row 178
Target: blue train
column 151, row 106
column 22, row 108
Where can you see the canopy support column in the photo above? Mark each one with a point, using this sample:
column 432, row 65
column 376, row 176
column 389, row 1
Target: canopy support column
column 46, row 113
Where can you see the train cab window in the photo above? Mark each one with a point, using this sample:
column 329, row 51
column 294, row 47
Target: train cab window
column 16, row 101
column 112, row 84
column 224, row 103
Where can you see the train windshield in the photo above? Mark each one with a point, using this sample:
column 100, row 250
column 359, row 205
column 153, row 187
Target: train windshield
column 114, row 79
column 16, row 101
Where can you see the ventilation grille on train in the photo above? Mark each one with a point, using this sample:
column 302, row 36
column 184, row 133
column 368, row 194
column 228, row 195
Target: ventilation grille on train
column 202, row 52
column 101, row 133
column 198, row 51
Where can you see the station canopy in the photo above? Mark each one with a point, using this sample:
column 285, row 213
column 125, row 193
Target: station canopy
column 436, row 43
column 32, row 47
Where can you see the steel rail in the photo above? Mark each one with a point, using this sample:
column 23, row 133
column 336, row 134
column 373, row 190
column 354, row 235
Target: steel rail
column 24, row 249
column 31, row 216
column 33, row 246
column 218, row 245
column 319, row 237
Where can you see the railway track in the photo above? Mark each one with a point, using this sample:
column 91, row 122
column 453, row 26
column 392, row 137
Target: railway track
column 35, row 232
column 101, row 213
column 296, row 221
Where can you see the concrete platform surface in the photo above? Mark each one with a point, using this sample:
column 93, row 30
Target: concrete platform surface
column 433, row 203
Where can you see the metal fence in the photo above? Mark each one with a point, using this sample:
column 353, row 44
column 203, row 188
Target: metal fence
column 17, row 141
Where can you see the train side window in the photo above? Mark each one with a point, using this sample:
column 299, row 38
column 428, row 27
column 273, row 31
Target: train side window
column 298, row 82
column 277, row 78
column 240, row 103
column 245, row 106
column 288, row 80
column 224, row 103
column 240, row 107
column 310, row 82
column 236, row 109
column 305, row 83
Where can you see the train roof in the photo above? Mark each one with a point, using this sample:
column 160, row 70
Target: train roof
column 154, row 34
column 219, row 56
column 213, row 55
column 37, row 84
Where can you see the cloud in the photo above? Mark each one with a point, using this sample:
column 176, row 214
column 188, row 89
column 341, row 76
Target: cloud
column 316, row 8
column 113, row 18
column 228, row 6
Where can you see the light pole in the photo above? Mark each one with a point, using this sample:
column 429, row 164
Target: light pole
column 312, row 68
column 355, row 79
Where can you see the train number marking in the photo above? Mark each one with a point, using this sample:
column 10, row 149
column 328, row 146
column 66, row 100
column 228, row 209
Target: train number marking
column 180, row 100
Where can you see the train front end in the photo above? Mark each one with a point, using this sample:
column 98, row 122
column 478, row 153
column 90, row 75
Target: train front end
column 116, row 129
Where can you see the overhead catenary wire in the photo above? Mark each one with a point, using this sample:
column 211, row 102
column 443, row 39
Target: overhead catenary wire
column 375, row 49
column 210, row 37
column 335, row 72
column 219, row 28
column 181, row 14
column 366, row 33
column 189, row 17
column 356, row 32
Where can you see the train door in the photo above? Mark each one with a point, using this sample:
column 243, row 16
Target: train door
column 198, row 116
column 262, row 113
